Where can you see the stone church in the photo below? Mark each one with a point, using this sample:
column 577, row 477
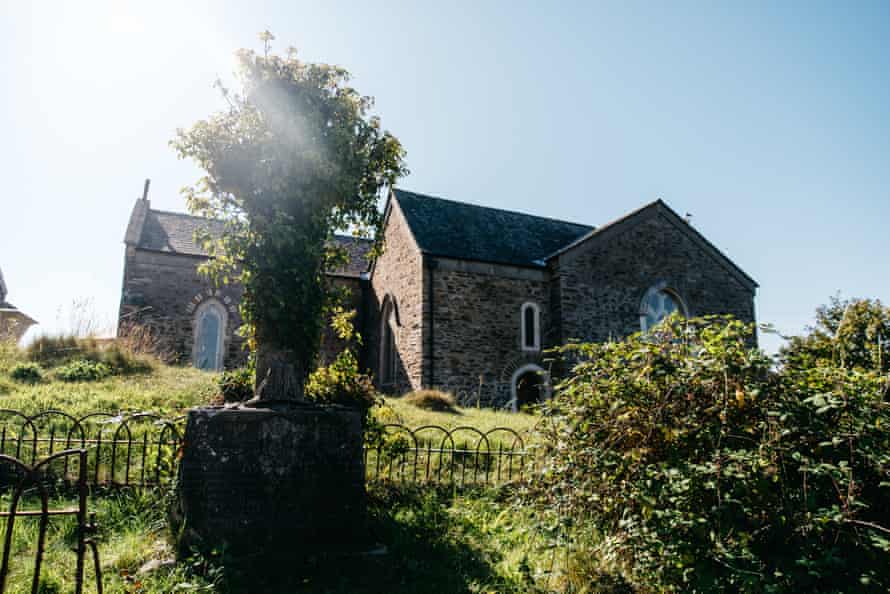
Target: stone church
column 464, row 298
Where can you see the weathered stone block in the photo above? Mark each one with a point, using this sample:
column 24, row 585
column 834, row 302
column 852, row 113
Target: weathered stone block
column 268, row 482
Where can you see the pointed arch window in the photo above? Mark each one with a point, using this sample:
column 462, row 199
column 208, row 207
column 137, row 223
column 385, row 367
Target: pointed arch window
column 210, row 330
column 388, row 348
column 658, row 303
column 530, row 326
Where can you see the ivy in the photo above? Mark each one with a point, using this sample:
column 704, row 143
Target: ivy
column 295, row 156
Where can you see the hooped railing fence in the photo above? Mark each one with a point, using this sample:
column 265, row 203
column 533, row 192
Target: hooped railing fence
column 141, row 450
column 53, row 453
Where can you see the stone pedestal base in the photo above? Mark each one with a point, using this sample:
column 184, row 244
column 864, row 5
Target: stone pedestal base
column 258, row 481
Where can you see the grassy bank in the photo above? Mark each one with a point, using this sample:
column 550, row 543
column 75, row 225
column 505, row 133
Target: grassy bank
column 436, row 541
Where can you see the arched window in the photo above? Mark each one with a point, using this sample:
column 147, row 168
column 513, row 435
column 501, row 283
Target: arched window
column 658, row 303
column 389, row 323
column 210, row 330
column 530, row 327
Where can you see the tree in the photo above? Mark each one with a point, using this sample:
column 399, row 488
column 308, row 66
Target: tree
column 852, row 333
column 295, row 157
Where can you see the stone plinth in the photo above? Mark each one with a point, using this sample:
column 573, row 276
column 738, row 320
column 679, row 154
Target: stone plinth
column 258, row 481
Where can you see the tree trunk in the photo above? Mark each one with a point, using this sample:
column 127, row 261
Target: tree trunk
column 279, row 376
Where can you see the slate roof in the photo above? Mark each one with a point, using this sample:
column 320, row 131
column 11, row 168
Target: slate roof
column 468, row 232
column 174, row 233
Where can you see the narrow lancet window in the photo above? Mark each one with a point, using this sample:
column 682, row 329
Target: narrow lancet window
column 530, row 321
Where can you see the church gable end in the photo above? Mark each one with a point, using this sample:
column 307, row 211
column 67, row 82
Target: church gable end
column 605, row 278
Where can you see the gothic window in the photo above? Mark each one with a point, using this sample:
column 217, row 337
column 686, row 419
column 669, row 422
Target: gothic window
column 530, row 327
column 210, row 328
column 388, row 352
column 658, row 303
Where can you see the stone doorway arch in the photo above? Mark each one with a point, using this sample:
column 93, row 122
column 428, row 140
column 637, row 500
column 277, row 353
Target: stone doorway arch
column 529, row 384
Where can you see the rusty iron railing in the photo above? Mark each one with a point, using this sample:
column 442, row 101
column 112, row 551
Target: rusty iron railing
column 461, row 456
column 22, row 482
column 141, row 450
column 125, row 450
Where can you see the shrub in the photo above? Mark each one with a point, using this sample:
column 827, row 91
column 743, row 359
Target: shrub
column 236, row 385
column 83, row 370
column 434, row 400
column 342, row 382
column 701, row 470
column 30, row 373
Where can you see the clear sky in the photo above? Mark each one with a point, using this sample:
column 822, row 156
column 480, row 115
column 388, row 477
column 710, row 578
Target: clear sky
column 769, row 122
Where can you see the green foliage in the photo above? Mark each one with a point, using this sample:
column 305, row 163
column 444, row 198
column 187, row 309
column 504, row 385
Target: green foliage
column 236, row 385
column 342, row 382
column 435, row 400
column 853, row 333
column 703, row 471
column 30, row 373
column 82, row 370
column 295, row 157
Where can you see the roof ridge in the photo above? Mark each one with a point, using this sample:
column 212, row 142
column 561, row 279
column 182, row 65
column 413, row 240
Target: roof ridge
column 495, row 208
column 203, row 218
column 183, row 214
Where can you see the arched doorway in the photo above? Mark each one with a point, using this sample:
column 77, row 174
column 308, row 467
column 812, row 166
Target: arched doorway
column 530, row 384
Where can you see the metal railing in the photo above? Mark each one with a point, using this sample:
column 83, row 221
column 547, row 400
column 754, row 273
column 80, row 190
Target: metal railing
column 25, row 484
column 128, row 449
column 460, row 456
column 141, row 450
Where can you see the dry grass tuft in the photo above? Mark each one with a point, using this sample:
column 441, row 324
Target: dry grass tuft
column 434, row 400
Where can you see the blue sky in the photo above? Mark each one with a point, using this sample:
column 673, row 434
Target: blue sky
column 769, row 122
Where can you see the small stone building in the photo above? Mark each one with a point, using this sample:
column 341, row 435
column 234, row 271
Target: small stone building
column 464, row 298
column 13, row 322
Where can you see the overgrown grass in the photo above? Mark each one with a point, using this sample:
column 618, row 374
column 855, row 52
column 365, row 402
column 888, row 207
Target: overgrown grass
column 434, row 400
column 436, row 541
column 167, row 390
column 397, row 410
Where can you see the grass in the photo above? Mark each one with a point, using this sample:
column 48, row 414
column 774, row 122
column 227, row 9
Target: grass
column 397, row 410
column 437, row 541
column 167, row 390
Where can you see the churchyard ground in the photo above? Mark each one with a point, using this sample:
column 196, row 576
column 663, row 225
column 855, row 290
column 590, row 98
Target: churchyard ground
column 437, row 538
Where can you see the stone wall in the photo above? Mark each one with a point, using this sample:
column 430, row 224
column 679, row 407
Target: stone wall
column 163, row 291
column 398, row 273
column 602, row 281
column 477, row 326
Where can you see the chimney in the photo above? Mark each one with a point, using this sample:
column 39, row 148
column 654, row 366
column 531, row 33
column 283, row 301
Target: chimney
column 137, row 217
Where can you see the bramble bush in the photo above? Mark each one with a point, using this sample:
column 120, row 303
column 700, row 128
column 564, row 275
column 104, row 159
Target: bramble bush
column 83, row 370
column 30, row 373
column 700, row 468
